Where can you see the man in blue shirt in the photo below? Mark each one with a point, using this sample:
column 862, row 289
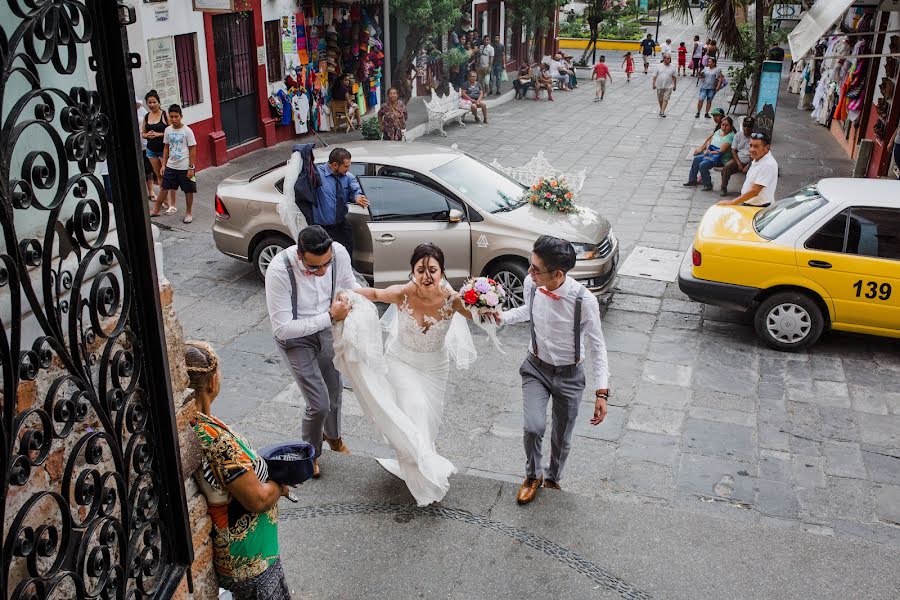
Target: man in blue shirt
column 337, row 188
column 648, row 49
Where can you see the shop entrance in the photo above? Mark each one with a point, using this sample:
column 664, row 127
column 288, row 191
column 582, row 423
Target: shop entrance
column 235, row 73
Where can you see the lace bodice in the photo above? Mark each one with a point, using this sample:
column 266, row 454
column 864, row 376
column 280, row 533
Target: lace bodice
column 428, row 338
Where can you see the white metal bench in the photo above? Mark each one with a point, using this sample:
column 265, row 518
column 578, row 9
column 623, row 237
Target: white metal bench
column 442, row 109
column 539, row 167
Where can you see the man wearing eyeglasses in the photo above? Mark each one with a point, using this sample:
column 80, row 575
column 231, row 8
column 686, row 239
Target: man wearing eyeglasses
column 565, row 320
column 762, row 176
column 301, row 284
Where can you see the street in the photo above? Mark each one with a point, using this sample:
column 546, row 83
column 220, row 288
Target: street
column 724, row 468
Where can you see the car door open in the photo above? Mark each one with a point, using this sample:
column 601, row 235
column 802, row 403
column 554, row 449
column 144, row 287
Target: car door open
column 404, row 214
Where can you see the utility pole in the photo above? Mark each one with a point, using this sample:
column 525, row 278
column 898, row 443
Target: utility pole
column 658, row 17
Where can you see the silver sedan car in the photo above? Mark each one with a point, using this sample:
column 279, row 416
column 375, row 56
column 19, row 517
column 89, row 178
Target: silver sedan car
column 417, row 193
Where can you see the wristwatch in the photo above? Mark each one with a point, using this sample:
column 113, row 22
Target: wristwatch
column 190, row 167
column 602, row 394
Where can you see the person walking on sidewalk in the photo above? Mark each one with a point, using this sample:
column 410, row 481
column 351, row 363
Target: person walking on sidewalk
column 628, row 66
column 713, row 80
column 301, row 286
column 664, row 82
column 714, row 154
column 177, row 169
column 600, row 74
column 682, row 59
column 696, row 55
column 337, row 188
column 499, row 65
column 563, row 317
column 762, row 176
column 648, row 49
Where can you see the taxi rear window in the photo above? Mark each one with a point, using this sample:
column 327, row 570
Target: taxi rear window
column 774, row 220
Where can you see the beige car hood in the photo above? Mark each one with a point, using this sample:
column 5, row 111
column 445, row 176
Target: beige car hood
column 585, row 226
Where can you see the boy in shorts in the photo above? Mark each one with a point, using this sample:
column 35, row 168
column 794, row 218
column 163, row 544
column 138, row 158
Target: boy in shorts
column 179, row 154
column 600, row 75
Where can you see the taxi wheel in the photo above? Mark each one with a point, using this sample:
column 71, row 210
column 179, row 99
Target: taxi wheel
column 789, row 321
column 266, row 250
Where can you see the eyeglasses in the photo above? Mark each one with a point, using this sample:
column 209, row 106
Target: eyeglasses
column 313, row 269
column 535, row 271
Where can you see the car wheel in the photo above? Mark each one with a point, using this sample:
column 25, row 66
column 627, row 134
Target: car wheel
column 266, row 250
column 511, row 276
column 789, row 321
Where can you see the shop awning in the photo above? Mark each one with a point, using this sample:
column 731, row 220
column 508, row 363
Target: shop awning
column 814, row 24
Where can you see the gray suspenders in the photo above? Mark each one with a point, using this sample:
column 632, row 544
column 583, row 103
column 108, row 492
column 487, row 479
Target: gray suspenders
column 577, row 324
column 290, row 272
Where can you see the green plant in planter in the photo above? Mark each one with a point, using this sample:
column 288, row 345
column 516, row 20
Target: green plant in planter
column 371, row 129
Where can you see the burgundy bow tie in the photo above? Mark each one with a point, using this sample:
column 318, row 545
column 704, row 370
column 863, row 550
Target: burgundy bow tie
column 548, row 293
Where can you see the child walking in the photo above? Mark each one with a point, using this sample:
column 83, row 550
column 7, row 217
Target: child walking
column 682, row 59
column 600, row 75
column 179, row 154
column 628, row 65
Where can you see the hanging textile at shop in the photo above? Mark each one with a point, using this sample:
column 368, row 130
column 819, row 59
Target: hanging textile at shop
column 302, row 52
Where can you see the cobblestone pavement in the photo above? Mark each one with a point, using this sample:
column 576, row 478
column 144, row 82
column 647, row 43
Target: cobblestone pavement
column 703, row 418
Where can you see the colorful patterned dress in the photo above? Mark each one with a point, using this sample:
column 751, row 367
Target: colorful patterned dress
column 394, row 119
column 245, row 544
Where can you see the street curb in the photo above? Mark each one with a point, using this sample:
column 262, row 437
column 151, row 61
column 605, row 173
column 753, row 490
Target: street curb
column 422, row 129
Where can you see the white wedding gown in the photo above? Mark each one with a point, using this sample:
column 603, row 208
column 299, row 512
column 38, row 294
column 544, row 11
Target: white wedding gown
column 401, row 384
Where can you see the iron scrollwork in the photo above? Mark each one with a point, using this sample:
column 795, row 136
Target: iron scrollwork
column 82, row 496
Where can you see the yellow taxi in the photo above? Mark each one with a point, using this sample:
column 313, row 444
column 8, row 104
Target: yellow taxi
column 826, row 257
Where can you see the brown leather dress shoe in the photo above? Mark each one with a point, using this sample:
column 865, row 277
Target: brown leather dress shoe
column 316, row 471
column 550, row 484
column 528, row 491
column 338, row 445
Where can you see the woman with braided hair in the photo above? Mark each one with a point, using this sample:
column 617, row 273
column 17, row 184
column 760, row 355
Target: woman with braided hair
column 242, row 501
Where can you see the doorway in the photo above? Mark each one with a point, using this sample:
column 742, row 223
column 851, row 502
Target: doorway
column 236, row 76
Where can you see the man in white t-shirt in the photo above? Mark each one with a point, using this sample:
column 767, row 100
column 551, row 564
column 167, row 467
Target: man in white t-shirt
column 484, row 60
column 664, row 82
column 666, row 48
column 762, row 177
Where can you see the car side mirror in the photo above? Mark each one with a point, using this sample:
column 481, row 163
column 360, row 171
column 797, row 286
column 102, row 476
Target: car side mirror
column 455, row 215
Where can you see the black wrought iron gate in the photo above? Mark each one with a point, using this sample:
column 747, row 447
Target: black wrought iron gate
column 236, row 76
column 93, row 503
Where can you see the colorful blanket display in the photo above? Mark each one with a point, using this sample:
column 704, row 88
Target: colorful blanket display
column 320, row 44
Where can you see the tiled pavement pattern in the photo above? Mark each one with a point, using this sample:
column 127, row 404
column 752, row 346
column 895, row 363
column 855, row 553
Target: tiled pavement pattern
column 702, row 418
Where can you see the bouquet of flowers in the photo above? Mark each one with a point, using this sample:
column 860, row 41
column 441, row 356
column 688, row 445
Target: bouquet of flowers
column 483, row 296
column 552, row 195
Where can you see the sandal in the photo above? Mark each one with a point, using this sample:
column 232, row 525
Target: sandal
column 171, row 210
column 188, row 219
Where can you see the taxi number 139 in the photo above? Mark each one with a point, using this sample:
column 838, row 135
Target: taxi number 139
column 873, row 289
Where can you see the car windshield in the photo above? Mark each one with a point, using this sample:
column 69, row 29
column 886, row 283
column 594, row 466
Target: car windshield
column 783, row 214
column 487, row 188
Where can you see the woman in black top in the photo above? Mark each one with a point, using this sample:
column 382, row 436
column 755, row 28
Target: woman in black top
column 153, row 129
column 341, row 93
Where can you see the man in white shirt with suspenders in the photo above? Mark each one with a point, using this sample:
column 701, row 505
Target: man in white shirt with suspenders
column 562, row 313
column 301, row 283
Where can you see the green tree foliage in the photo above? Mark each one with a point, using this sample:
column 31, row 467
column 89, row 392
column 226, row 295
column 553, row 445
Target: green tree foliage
column 533, row 15
column 425, row 19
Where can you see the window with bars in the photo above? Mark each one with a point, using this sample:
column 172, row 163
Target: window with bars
column 188, row 74
column 274, row 66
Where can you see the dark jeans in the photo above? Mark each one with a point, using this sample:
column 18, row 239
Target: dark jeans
column 703, row 164
column 496, row 72
column 342, row 233
column 522, row 88
column 573, row 79
column 731, row 168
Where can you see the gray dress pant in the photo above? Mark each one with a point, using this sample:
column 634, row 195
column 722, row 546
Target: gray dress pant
column 311, row 359
column 566, row 385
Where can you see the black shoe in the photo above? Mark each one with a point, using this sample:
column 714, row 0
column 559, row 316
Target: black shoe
column 690, row 184
column 707, row 116
column 697, row 116
column 724, row 193
column 707, row 188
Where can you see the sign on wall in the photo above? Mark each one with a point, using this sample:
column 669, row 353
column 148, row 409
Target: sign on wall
column 769, row 83
column 164, row 69
column 214, row 5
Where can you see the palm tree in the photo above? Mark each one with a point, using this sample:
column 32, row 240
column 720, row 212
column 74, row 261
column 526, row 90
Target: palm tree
column 720, row 18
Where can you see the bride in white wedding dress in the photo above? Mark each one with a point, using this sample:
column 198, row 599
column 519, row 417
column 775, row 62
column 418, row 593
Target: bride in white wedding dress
column 401, row 385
